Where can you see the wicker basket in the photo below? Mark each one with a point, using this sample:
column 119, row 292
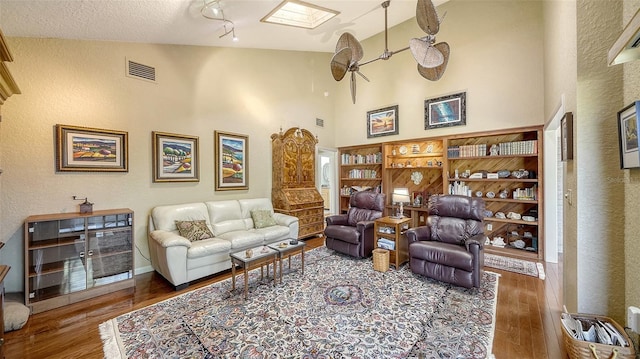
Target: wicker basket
column 381, row 260
column 580, row 349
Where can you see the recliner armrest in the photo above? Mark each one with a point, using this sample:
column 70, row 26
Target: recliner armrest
column 362, row 225
column 168, row 239
column 422, row 233
column 338, row 219
column 477, row 239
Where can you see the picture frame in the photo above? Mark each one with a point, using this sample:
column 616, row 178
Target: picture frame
column 566, row 137
column 445, row 111
column 232, row 166
column 86, row 149
column 417, row 198
column 175, row 157
column 382, row 122
column 628, row 136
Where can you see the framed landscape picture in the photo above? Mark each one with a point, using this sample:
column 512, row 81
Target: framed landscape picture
column 231, row 153
column 382, row 122
column 445, row 111
column 84, row 149
column 175, row 157
column 628, row 136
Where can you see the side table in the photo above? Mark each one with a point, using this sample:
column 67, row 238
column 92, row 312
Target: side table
column 286, row 250
column 260, row 256
column 393, row 229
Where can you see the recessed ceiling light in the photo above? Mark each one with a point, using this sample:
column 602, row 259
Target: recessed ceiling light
column 299, row 14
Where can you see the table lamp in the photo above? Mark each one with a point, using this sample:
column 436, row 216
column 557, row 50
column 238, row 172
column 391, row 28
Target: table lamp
column 400, row 196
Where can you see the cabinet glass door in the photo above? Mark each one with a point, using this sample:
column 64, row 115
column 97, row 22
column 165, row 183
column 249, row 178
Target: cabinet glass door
column 109, row 250
column 56, row 258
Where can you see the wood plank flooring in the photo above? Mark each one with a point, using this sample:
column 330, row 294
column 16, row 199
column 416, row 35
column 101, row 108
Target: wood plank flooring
column 527, row 323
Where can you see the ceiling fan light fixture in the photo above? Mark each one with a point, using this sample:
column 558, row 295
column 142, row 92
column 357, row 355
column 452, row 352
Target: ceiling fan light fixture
column 299, row 14
column 425, row 54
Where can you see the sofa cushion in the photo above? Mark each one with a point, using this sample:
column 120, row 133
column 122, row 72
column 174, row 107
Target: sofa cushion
column 243, row 239
column 226, row 216
column 194, row 230
column 207, row 247
column 262, row 218
column 164, row 217
column 273, row 233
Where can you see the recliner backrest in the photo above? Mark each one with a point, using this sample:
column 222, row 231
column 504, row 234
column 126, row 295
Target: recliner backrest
column 365, row 206
column 453, row 219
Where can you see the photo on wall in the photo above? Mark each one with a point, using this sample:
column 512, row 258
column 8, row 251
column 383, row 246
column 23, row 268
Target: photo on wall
column 445, row 111
column 628, row 136
column 175, row 157
column 231, row 153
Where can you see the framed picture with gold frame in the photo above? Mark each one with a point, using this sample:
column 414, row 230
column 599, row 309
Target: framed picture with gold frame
column 175, row 157
column 231, row 153
column 85, row 149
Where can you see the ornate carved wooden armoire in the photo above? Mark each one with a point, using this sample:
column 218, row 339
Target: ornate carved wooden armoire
column 293, row 190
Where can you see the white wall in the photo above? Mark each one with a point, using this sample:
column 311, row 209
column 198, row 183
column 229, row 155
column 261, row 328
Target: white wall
column 496, row 57
column 199, row 90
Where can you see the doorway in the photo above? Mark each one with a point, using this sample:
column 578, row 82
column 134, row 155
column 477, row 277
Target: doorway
column 327, row 180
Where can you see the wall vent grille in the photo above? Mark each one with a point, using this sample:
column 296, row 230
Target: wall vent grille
column 140, row 71
column 319, row 122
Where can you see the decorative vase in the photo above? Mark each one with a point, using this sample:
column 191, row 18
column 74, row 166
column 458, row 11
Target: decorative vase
column 248, row 253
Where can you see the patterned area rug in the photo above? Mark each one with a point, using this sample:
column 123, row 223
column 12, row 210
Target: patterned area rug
column 339, row 308
column 514, row 265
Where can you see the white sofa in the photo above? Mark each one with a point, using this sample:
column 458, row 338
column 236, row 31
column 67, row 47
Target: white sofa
column 180, row 261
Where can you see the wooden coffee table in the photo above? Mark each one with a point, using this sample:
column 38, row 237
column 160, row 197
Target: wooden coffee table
column 286, row 250
column 261, row 255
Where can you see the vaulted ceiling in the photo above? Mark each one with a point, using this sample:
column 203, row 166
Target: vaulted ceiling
column 181, row 22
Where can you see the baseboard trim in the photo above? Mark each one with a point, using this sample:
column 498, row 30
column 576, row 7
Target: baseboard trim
column 141, row 270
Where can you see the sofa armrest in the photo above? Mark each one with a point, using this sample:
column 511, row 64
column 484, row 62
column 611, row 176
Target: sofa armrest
column 168, row 239
column 338, row 219
column 284, row 219
column 422, row 233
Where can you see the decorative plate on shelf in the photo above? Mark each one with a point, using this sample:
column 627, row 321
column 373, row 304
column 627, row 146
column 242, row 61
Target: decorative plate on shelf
column 403, row 150
column 417, row 177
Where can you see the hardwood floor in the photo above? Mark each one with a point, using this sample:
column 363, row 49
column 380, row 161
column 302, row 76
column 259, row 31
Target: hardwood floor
column 527, row 323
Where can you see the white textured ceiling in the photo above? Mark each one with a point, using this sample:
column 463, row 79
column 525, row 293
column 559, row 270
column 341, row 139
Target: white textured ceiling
column 180, row 22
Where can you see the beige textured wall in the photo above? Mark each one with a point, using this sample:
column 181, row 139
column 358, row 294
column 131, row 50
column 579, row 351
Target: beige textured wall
column 199, row 90
column 631, row 73
column 496, row 57
column 560, row 77
column 600, row 240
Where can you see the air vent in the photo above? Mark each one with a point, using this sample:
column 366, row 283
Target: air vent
column 319, row 122
column 140, row 71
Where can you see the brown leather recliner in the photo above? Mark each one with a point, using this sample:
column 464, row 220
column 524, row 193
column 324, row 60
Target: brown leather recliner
column 450, row 247
column 352, row 233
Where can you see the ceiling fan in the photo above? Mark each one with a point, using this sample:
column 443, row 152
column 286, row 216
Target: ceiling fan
column 432, row 57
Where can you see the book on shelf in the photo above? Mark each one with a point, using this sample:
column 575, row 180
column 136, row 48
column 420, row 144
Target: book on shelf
column 528, row 147
column 356, row 159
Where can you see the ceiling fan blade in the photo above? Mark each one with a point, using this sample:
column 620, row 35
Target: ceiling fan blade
column 353, row 86
column 435, row 73
column 340, row 63
column 350, row 41
column 425, row 53
column 363, row 76
column 427, row 17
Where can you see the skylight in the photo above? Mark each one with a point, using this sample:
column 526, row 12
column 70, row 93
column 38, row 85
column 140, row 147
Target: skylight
column 299, row 14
